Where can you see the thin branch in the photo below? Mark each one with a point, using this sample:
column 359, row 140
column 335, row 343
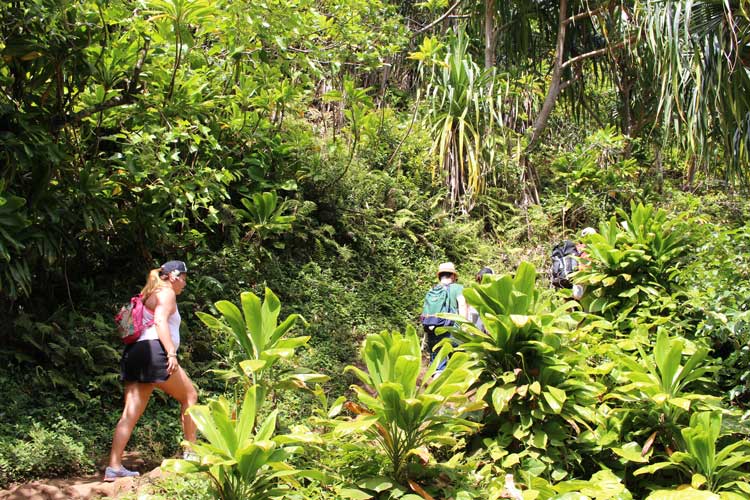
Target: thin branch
column 598, row 52
column 567, row 83
column 439, row 19
column 408, row 131
column 138, row 66
column 505, row 26
column 587, row 13
column 587, row 107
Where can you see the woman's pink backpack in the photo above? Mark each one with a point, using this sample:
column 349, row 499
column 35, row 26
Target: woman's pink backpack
column 130, row 323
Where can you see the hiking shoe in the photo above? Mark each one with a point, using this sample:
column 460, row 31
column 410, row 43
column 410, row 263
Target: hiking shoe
column 111, row 474
column 191, row 456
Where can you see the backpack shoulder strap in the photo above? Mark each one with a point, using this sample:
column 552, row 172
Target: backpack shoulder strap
column 569, row 248
column 454, row 291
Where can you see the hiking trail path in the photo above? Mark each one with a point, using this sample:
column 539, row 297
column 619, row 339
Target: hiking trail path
column 84, row 487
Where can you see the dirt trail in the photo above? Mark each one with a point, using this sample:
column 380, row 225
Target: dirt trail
column 84, row 487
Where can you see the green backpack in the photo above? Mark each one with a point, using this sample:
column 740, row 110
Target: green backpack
column 440, row 299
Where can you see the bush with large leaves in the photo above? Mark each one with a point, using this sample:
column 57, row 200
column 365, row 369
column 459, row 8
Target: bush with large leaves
column 245, row 460
column 402, row 413
column 631, row 262
column 538, row 389
column 655, row 391
column 261, row 339
column 721, row 471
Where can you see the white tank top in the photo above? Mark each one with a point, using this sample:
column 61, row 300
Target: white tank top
column 174, row 327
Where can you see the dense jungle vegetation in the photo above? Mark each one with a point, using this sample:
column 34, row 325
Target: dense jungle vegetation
column 313, row 161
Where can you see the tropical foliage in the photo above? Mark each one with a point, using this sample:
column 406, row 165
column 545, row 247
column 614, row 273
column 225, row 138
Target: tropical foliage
column 702, row 463
column 242, row 457
column 540, row 395
column 335, row 152
column 261, row 338
column 630, row 263
column 703, row 66
column 655, row 389
column 461, row 116
column 406, row 414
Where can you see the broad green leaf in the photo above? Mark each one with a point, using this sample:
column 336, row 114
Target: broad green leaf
column 266, row 429
column 180, row 466
column 555, row 398
column 246, row 417
column 520, row 320
column 354, row 494
column 682, row 403
column 511, row 460
column 697, row 481
column 359, row 424
column 336, row 407
column 632, row 452
column 501, row 397
column 539, row 440
column 253, row 322
column 210, row 321
column 250, row 366
column 730, row 495
column 650, row 469
column 376, row 484
column 234, row 319
column 683, row 494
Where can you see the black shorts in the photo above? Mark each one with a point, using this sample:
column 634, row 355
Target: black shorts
column 144, row 361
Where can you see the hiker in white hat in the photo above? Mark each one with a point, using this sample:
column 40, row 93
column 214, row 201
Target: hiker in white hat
column 445, row 297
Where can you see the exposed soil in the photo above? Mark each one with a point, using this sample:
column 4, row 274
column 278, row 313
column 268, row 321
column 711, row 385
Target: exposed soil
column 83, row 487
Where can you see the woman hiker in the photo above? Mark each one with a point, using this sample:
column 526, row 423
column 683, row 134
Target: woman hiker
column 151, row 362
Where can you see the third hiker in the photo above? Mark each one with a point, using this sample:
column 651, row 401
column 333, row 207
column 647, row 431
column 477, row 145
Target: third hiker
column 445, row 297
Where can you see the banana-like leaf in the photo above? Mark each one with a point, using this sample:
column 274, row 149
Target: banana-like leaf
column 180, row 466
column 359, row 424
column 253, row 321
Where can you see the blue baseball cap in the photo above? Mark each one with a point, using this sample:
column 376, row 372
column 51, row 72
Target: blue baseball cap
column 173, row 265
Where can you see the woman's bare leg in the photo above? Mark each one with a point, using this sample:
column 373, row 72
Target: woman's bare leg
column 137, row 395
column 180, row 387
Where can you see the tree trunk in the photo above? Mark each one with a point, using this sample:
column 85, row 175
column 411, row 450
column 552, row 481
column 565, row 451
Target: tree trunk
column 489, row 34
column 529, row 176
column 690, row 174
column 627, row 116
column 555, row 85
column 659, row 170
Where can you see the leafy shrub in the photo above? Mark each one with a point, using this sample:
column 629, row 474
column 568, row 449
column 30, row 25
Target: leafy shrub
column 716, row 302
column 405, row 416
column 703, row 464
column 539, row 391
column 631, row 262
column 659, row 391
column 461, row 114
column 597, row 176
column 261, row 342
column 239, row 454
column 44, row 452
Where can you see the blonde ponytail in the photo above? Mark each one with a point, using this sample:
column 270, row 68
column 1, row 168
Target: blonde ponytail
column 153, row 283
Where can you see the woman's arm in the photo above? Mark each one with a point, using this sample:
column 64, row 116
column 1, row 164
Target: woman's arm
column 166, row 305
